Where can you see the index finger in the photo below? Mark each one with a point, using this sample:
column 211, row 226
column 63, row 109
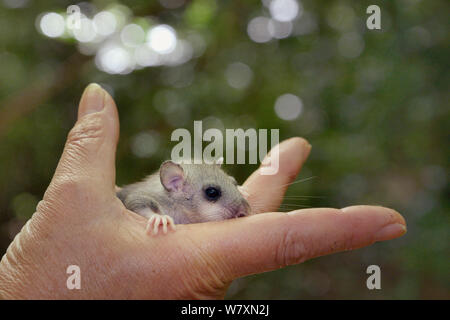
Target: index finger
column 270, row 241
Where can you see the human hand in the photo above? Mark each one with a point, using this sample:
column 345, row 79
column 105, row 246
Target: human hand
column 80, row 221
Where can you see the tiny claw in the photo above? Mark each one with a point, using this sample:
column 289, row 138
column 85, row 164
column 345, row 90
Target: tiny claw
column 148, row 229
column 156, row 225
column 172, row 224
column 164, row 223
column 156, row 220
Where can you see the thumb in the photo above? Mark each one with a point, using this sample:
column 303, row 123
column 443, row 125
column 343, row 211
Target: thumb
column 89, row 153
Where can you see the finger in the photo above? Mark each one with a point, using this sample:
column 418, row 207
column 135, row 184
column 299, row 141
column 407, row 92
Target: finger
column 269, row 241
column 265, row 192
column 89, row 153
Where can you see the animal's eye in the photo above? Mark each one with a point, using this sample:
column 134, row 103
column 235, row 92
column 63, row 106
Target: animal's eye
column 212, row 193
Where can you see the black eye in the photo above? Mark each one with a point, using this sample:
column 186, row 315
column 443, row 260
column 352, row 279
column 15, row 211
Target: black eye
column 212, row 193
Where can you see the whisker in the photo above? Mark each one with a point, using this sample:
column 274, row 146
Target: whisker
column 298, row 181
column 262, row 205
column 307, row 197
column 294, row 205
column 291, row 209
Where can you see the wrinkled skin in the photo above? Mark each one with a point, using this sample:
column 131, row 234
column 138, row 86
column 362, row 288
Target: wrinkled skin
column 80, row 221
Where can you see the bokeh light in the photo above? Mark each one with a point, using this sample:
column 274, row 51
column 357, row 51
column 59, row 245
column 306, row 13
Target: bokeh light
column 52, row 24
column 351, row 45
column 285, row 10
column 86, row 32
column 180, row 54
column 146, row 57
column 238, row 75
column 114, row 59
column 197, row 42
column 15, row 4
column 132, row 35
column 258, row 29
column 279, row 30
column 145, row 144
column 288, row 106
column 105, row 23
column 162, row 39
column 120, row 45
column 341, row 17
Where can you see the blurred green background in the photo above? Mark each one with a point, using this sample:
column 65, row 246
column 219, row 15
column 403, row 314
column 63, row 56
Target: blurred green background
column 374, row 105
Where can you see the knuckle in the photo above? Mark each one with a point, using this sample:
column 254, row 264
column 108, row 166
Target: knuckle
column 89, row 130
column 350, row 238
column 41, row 221
column 292, row 249
column 67, row 190
column 43, row 206
column 67, row 197
column 292, row 173
column 67, row 185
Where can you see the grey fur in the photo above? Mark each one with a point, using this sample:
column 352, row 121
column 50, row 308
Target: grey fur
column 189, row 204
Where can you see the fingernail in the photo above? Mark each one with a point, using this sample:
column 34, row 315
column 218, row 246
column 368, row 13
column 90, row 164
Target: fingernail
column 92, row 100
column 391, row 231
column 308, row 147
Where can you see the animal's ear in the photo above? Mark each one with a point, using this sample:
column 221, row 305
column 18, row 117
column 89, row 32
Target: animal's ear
column 219, row 161
column 171, row 175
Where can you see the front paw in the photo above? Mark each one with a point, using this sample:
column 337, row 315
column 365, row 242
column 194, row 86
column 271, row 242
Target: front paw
column 156, row 221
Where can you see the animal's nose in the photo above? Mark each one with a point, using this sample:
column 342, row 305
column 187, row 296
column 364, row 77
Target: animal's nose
column 246, row 206
column 243, row 209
